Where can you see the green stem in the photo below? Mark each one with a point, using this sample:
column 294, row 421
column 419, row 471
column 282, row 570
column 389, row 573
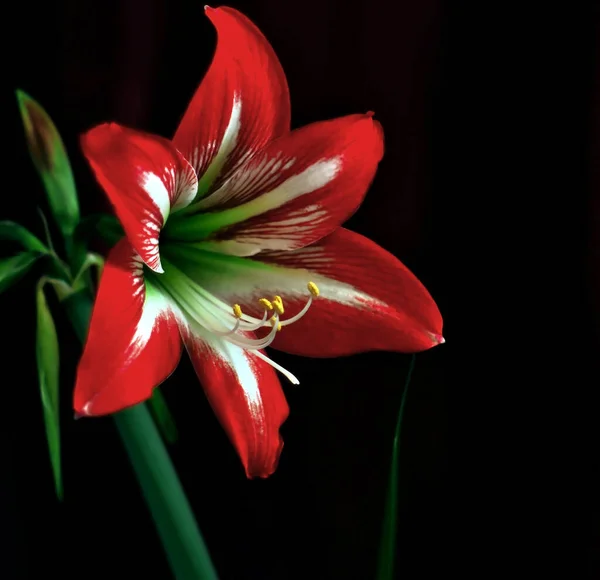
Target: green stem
column 162, row 416
column 387, row 549
column 183, row 544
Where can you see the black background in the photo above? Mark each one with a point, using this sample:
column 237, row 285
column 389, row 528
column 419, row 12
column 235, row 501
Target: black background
column 488, row 191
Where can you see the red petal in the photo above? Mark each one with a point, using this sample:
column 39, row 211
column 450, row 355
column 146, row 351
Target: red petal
column 145, row 178
column 242, row 103
column 299, row 188
column 133, row 343
column 392, row 310
column 245, row 393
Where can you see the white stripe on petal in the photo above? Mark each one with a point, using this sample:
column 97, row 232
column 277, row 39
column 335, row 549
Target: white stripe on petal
column 231, row 134
column 258, row 181
column 240, row 363
column 253, row 282
column 154, row 186
column 155, row 306
column 185, row 187
column 226, row 147
column 277, row 235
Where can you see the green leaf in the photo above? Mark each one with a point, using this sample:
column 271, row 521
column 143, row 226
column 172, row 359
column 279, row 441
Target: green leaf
column 162, row 416
column 48, row 362
column 50, row 158
column 14, row 268
column 387, row 547
column 17, row 233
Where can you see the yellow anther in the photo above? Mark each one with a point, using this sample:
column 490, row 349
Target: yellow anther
column 313, row 289
column 273, row 320
column 278, row 304
column 266, row 304
column 237, row 310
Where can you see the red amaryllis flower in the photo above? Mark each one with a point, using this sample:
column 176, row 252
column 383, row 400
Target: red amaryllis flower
column 233, row 243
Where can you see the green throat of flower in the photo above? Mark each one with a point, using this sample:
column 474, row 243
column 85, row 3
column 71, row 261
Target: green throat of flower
column 209, row 316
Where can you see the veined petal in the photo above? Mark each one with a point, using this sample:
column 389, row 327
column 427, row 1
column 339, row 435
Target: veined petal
column 242, row 103
column 145, row 178
column 368, row 299
column 133, row 342
column 297, row 190
column 246, row 396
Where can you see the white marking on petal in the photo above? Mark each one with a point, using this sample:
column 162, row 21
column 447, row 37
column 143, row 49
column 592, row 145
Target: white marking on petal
column 247, row 182
column 231, row 133
column 185, row 187
column 154, row 186
column 280, row 235
column 290, row 278
column 214, row 162
column 312, row 178
column 242, row 366
column 155, row 306
column 152, row 226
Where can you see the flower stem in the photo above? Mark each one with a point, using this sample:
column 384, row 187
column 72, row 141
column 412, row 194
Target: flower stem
column 181, row 539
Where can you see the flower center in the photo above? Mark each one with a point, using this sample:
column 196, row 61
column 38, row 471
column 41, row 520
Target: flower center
column 208, row 315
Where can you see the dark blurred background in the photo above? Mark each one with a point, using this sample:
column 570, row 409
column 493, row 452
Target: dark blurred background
column 489, row 191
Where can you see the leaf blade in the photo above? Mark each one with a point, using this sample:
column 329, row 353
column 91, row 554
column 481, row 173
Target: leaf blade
column 14, row 232
column 387, row 547
column 48, row 365
column 14, row 268
column 50, row 158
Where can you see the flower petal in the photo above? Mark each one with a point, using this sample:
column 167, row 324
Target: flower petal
column 133, row 342
column 145, row 178
column 368, row 299
column 242, row 103
column 246, row 396
column 299, row 189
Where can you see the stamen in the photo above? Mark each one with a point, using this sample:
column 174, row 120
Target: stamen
column 266, row 303
column 314, row 292
column 278, row 304
column 259, row 324
column 237, row 311
column 289, row 376
column 253, row 344
column 275, row 321
column 226, row 332
column 313, row 289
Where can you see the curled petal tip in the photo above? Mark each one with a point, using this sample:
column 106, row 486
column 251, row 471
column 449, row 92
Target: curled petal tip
column 370, row 114
column 100, row 135
column 208, row 8
column 84, row 411
column 436, row 339
column 156, row 265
